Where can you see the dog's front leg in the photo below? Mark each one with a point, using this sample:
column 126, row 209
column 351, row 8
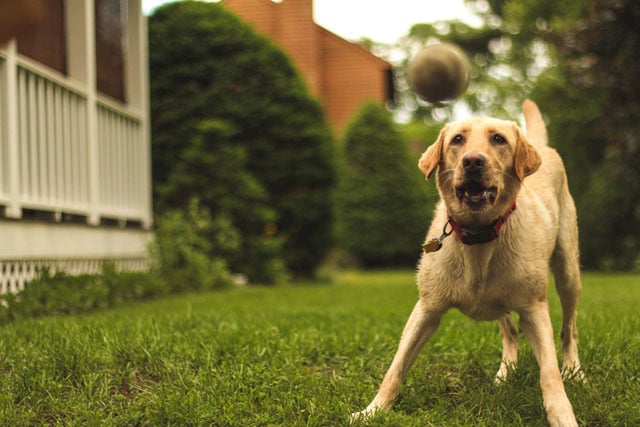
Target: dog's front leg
column 422, row 324
column 536, row 325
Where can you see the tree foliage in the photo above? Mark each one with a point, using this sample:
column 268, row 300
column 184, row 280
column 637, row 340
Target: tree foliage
column 591, row 96
column 601, row 53
column 190, row 249
column 382, row 210
column 234, row 126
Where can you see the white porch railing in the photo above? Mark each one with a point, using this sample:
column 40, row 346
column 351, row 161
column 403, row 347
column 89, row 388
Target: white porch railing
column 52, row 145
column 52, row 149
column 122, row 157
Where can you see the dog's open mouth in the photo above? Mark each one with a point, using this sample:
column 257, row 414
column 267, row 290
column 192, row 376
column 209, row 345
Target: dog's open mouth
column 475, row 195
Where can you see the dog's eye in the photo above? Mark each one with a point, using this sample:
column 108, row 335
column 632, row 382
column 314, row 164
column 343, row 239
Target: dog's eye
column 457, row 140
column 498, row 139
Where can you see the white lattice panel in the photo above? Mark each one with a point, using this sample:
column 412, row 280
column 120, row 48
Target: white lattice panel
column 15, row 273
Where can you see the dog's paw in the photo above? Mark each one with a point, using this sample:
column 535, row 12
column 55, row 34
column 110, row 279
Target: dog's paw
column 359, row 417
column 365, row 415
column 560, row 414
column 563, row 420
column 503, row 373
column 500, row 378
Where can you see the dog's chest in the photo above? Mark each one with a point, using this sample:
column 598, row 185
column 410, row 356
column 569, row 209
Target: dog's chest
column 483, row 302
column 486, row 287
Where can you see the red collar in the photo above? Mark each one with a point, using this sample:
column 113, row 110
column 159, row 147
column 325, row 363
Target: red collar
column 469, row 236
column 474, row 236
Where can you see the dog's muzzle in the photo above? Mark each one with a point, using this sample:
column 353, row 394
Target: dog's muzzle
column 473, row 192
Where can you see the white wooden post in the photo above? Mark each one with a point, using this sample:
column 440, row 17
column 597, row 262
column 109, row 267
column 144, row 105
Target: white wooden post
column 10, row 120
column 138, row 94
column 82, row 40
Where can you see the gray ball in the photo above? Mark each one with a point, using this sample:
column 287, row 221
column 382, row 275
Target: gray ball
column 439, row 72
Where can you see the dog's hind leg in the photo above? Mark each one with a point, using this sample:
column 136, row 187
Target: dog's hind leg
column 565, row 265
column 510, row 338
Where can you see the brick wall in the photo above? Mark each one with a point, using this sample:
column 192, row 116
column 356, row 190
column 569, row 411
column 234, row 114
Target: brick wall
column 352, row 76
column 259, row 13
column 298, row 36
column 341, row 74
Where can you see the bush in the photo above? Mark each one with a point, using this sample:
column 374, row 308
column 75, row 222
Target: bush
column 234, row 125
column 382, row 211
column 61, row 294
column 239, row 201
column 190, row 248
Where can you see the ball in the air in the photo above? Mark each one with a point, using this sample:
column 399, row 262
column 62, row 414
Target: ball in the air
column 439, row 72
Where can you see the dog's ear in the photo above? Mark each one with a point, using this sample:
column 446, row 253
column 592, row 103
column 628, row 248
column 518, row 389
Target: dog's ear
column 430, row 158
column 526, row 159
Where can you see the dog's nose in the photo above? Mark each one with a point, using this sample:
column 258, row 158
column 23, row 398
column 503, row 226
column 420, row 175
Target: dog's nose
column 473, row 162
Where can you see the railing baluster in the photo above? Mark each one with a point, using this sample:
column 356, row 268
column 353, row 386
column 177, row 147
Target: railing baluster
column 53, row 152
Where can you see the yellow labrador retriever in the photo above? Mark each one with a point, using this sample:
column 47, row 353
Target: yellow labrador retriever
column 506, row 204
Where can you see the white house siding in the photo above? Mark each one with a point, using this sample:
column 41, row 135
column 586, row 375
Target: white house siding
column 28, row 246
column 75, row 179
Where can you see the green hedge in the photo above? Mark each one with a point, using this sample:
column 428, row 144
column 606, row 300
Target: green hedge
column 62, row 294
column 382, row 209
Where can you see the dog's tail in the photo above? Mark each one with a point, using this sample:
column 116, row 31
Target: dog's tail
column 536, row 130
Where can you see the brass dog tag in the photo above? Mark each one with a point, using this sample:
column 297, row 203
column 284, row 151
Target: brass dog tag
column 432, row 245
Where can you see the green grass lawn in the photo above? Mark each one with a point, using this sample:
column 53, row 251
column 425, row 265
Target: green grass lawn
column 304, row 355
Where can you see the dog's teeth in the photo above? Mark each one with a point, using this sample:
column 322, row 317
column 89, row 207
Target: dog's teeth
column 483, row 194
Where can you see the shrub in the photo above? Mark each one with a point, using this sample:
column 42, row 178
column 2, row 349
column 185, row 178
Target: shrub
column 62, row 294
column 381, row 207
column 239, row 202
column 190, row 247
column 234, row 125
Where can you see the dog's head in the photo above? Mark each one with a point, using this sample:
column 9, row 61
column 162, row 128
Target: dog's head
column 482, row 162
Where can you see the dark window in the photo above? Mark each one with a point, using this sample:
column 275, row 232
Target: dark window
column 46, row 42
column 110, row 32
column 391, row 94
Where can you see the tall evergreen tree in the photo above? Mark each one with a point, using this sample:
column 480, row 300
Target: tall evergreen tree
column 382, row 211
column 233, row 124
